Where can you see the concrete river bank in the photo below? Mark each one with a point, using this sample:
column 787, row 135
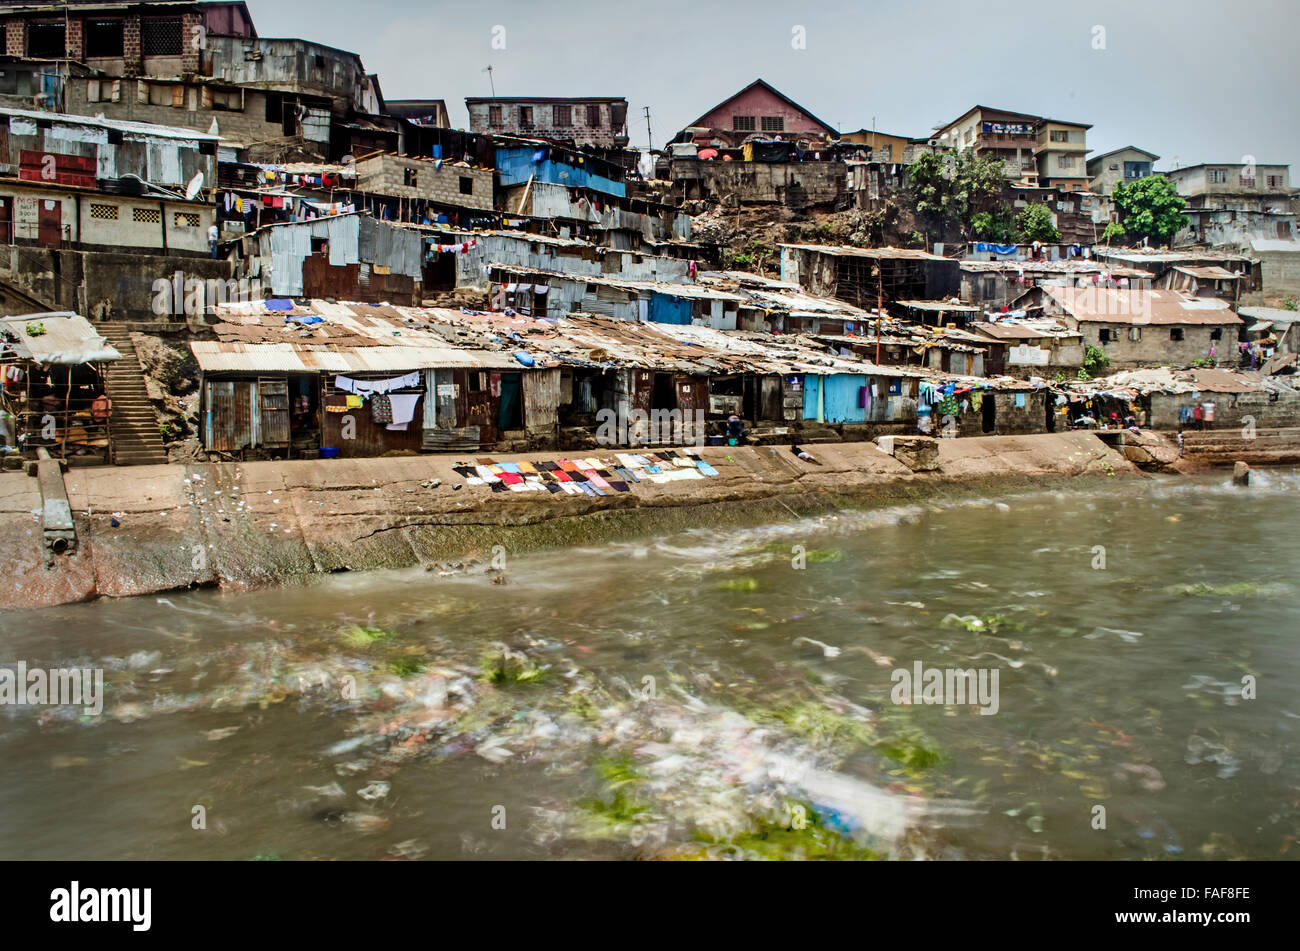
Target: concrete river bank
column 239, row 526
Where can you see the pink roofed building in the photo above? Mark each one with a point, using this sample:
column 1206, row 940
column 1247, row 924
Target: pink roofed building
column 757, row 110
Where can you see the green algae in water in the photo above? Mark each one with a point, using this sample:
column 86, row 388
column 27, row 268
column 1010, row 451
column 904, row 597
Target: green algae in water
column 1241, row 589
column 506, row 667
column 738, row 584
column 358, row 636
column 407, row 666
column 810, row 839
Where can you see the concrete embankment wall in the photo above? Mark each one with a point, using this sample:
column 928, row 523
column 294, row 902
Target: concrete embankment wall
column 242, row 525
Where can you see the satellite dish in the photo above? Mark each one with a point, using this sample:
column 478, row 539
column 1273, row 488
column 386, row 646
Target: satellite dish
column 194, row 187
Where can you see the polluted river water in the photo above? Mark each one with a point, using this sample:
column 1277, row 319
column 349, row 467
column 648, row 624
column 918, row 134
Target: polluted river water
column 708, row 694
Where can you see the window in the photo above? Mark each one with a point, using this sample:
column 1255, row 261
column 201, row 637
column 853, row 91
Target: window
column 526, row 117
column 186, row 219
column 1176, row 333
column 1136, row 169
column 1106, row 335
column 742, row 123
column 593, row 116
column 1065, row 161
column 146, row 216
column 46, row 41
column 1218, row 176
column 1216, row 333
column 410, row 178
column 1135, row 334
column 1275, row 181
column 466, row 185
column 494, row 116
column 563, row 115
column 161, row 36
column 103, row 212
column 773, row 123
column 1246, row 181
column 1060, row 135
column 104, row 39
column 1114, row 166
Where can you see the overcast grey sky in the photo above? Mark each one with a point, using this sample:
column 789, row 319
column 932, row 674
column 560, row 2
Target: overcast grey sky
column 1192, row 80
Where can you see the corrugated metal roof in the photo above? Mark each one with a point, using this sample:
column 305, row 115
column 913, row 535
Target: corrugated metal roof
column 1208, row 273
column 217, row 357
column 1128, row 306
column 910, row 253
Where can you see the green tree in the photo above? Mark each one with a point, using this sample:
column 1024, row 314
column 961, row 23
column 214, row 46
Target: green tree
column 1150, row 208
column 1113, row 230
column 996, row 225
column 1035, row 224
column 951, row 188
column 1095, row 360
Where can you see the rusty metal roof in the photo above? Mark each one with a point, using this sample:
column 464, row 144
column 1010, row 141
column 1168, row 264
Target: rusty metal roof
column 1129, row 306
column 884, row 253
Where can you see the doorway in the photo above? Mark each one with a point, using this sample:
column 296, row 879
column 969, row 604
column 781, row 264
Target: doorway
column 989, row 413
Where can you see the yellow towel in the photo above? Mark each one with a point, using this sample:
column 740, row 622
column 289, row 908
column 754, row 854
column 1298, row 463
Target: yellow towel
column 355, row 402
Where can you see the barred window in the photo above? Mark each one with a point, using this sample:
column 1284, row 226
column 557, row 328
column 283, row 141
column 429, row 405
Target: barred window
column 186, row 219
column 104, row 212
column 773, row 123
column 494, row 115
column 146, row 216
column 104, row 39
column 593, row 116
column 742, row 123
column 161, row 36
column 46, row 40
column 563, row 115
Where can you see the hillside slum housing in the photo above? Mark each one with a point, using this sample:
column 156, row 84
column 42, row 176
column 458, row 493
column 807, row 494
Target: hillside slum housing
column 1139, row 326
column 1208, row 280
column 462, row 258
column 1024, row 346
column 346, row 257
column 1159, row 262
column 98, row 184
column 1165, row 394
column 995, row 284
column 53, row 374
column 288, row 382
column 861, row 276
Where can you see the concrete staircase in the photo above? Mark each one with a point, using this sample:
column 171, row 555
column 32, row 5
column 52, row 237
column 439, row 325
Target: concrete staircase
column 134, row 425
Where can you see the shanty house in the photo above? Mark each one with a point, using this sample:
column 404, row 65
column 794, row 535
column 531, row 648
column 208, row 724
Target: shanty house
column 52, row 393
column 861, row 276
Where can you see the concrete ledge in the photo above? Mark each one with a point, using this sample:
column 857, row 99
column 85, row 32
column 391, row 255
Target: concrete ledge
column 243, row 525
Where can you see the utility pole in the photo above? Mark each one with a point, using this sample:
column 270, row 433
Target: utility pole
column 880, row 301
column 491, row 81
column 649, row 138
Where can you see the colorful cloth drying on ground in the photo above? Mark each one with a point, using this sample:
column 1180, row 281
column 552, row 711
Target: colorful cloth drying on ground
column 591, row 477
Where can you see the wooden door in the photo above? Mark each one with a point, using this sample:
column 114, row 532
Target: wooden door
column 50, row 222
column 273, row 395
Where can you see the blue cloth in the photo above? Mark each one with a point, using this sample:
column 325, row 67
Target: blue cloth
column 524, row 358
column 276, row 304
column 309, row 320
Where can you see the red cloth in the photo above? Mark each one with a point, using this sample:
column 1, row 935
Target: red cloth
column 511, row 478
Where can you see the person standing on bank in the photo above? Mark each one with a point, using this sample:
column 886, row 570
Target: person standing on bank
column 214, row 241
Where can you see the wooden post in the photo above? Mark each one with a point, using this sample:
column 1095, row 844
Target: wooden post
column 67, row 415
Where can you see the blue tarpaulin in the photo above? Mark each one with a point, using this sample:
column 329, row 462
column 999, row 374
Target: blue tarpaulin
column 666, row 309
